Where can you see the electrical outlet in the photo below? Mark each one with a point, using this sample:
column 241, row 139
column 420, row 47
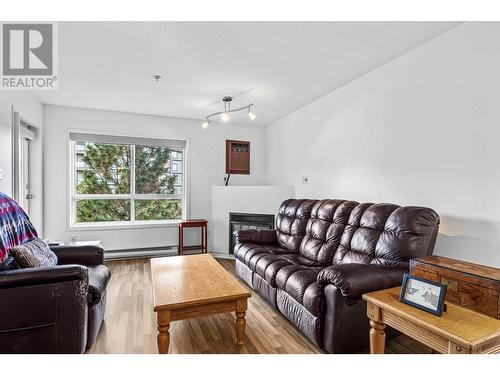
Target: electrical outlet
column 305, row 179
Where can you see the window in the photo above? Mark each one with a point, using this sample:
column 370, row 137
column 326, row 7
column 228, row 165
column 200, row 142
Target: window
column 126, row 180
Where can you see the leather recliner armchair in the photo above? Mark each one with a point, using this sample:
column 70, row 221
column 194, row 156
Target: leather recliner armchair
column 325, row 254
column 56, row 309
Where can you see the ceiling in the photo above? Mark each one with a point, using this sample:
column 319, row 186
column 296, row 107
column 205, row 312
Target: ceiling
column 279, row 66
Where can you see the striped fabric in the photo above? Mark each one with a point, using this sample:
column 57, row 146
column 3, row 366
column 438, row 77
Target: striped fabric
column 15, row 226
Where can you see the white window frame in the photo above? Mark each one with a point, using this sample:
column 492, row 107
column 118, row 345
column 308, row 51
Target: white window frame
column 132, row 197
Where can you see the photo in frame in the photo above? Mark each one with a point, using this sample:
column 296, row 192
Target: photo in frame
column 423, row 294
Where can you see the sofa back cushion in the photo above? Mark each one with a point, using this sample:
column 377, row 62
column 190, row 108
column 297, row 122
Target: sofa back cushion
column 341, row 231
column 325, row 228
column 15, row 226
column 291, row 222
column 387, row 234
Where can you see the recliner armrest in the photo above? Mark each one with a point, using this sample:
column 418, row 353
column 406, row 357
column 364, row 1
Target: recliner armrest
column 261, row 236
column 90, row 255
column 353, row 280
column 42, row 275
column 45, row 310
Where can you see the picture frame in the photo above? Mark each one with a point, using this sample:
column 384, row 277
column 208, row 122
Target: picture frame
column 423, row 294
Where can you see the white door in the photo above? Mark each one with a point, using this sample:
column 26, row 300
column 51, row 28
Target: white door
column 23, row 136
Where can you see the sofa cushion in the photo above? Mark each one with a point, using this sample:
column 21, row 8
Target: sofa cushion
column 34, row 254
column 99, row 276
column 15, row 226
column 324, row 229
column 299, row 282
column 254, row 260
column 245, row 251
column 299, row 260
column 268, row 266
column 387, row 234
column 291, row 222
column 276, row 250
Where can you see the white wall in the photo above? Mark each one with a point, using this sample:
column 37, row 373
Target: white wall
column 206, row 167
column 424, row 129
column 30, row 110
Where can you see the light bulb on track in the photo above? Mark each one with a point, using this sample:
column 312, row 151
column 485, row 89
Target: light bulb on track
column 251, row 115
column 225, row 117
column 205, row 125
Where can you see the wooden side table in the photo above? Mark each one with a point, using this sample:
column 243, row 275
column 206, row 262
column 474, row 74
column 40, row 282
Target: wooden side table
column 457, row 331
column 193, row 223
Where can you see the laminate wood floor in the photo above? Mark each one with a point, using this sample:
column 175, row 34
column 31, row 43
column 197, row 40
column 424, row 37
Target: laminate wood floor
column 130, row 323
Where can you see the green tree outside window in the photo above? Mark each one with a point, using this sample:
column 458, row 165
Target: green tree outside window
column 106, row 169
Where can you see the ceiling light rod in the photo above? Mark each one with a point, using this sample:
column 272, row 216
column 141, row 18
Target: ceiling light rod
column 227, row 109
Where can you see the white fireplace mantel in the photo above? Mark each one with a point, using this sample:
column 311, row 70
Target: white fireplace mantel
column 241, row 199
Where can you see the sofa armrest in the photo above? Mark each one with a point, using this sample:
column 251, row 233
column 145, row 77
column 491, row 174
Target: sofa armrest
column 353, row 280
column 261, row 236
column 42, row 275
column 91, row 255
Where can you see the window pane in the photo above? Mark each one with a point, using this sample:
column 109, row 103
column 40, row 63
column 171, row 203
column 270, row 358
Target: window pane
column 98, row 210
column 158, row 209
column 158, row 170
column 102, row 168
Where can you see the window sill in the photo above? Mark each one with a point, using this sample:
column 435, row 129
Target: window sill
column 122, row 225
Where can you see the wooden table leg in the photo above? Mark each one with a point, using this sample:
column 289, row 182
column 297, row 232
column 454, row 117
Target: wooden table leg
column 206, row 239
column 202, row 228
column 181, row 240
column 163, row 334
column 377, row 337
column 241, row 307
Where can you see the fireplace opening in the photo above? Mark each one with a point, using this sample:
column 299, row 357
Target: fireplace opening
column 239, row 221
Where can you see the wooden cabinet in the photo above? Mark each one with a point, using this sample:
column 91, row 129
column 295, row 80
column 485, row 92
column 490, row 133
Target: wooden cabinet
column 237, row 157
column 469, row 285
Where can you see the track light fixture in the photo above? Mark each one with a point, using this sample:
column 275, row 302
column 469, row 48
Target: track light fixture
column 225, row 114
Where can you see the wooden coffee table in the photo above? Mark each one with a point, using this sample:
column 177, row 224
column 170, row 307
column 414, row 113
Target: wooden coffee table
column 193, row 286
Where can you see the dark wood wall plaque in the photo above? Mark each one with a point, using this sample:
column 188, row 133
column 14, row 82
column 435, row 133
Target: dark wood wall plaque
column 237, row 157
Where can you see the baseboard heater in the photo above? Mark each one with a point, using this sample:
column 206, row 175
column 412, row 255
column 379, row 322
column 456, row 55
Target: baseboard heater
column 154, row 252
column 144, row 252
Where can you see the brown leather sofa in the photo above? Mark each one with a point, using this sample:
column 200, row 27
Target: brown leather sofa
column 325, row 254
column 56, row 309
